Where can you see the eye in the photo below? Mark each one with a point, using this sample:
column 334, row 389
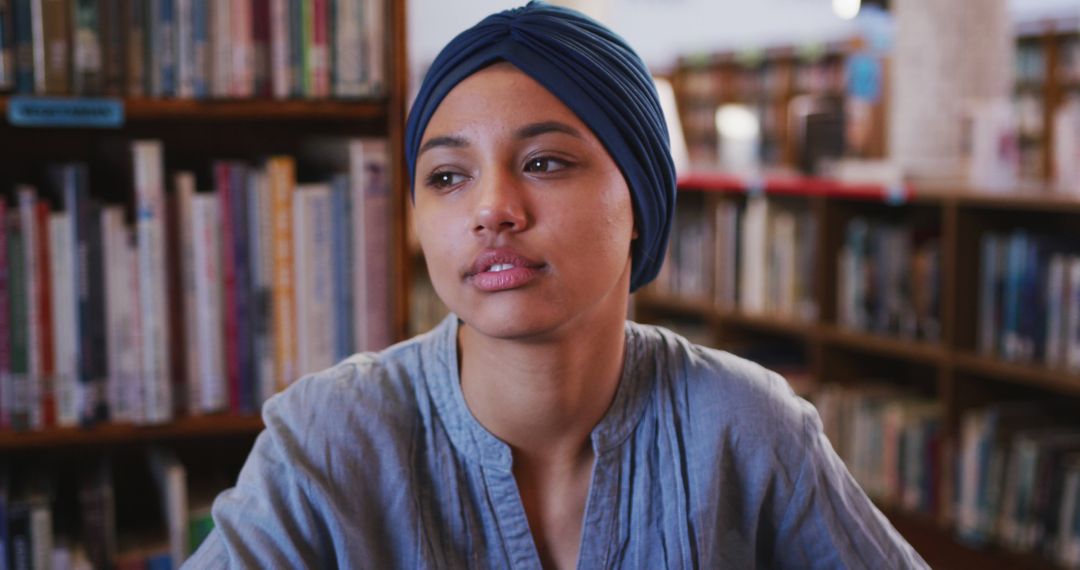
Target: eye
column 444, row 179
column 545, row 164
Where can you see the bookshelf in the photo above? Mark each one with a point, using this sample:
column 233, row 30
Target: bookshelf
column 941, row 365
column 55, row 462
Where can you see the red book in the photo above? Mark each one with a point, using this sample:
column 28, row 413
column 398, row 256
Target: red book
column 222, row 175
column 45, row 316
column 260, row 42
column 320, row 48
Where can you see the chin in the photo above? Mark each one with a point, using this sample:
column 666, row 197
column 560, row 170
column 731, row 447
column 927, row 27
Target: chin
column 511, row 321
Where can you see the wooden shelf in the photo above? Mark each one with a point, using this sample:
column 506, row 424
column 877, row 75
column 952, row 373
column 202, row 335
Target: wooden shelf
column 913, row 350
column 223, row 425
column 248, row 109
column 672, row 304
column 942, row 551
column 1028, row 374
column 768, row 323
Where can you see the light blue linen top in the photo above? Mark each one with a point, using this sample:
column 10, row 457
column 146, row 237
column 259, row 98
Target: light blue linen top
column 704, row 460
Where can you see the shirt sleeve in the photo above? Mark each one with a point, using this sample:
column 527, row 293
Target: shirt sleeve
column 829, row 522
column 268, row 520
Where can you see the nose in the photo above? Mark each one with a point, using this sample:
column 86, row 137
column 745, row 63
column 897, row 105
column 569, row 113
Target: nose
column 500, row 205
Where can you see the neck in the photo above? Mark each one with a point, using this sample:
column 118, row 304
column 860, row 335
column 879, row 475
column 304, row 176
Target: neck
column 544, row 398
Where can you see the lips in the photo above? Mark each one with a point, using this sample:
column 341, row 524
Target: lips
column 499, row 269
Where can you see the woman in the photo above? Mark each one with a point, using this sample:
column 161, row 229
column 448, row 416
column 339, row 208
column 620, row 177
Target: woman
column 536, row 427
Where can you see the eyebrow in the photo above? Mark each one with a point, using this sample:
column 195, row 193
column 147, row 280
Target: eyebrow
column 526, row 132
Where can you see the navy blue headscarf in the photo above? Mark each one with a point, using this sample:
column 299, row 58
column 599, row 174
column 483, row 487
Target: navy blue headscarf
column 597, row 76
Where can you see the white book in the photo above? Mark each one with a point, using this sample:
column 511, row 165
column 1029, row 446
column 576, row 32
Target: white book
column 185, row 48
column 754, row 248
column 150, row 236
column 375, row 45
column 368, row 175
column 213, row 389
column 65, row 339
column 131, row 353
column 349, row 47
column 221, row 48
column 171, row 480
column 27, row 197
column 279, row 49
column 314, row 269
column 784, row 248
column 41, row 534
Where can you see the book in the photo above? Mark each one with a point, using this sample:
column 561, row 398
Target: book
column 135, row 21
column 242, row 70
column 149, row 200
column 280, row 43
column 282, row 181
column 313, row 247
column 5, row 324
column 170, row 478
column 205, row 272
column 33, row 293
column 46, row 357
column 371, row 207
column 23, row 35
column 65, row 310
column 7, row 47
column 87, row 61
column 52, row 60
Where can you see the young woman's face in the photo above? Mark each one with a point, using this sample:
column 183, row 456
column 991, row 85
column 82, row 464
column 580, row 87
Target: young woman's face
column 524, row 218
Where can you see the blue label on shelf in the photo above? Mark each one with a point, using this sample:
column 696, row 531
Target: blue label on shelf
column 895, row 194
column 66, row 112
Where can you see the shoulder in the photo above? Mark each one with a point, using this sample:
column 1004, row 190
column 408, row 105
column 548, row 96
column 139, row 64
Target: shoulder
column 739, row 397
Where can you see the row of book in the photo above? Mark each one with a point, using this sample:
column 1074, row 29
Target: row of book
column 1029, row 300
column 1018, row 480
column 756, row 257
column 889, row 279
column 40, row 528
column 889, row 440
column 194, row 49
column 213, row 300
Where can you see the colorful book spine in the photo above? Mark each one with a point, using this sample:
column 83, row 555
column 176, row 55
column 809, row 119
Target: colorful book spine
column 47, row 360
column 243, row 76
column 52, row 47
column 149, row 226
column 319, row 50
column 23, row 31
column 65, row 315
column 282, row 178
column 350, row 57
column 212, row 390
column 201, row 48
column 223, row 181
column 27, row 197
column 260, row 48
column 280, row 44
column 135, row 17
column 88, row 78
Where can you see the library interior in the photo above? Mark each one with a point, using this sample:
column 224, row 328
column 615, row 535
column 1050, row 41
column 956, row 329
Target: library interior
column 203, row 201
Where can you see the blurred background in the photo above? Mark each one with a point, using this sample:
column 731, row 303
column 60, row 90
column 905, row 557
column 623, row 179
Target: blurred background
column 202, row 201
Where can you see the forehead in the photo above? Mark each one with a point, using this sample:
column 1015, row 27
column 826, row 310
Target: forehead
column 499, row 96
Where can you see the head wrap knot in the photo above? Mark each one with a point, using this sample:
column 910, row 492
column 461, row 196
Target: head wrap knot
column 597, row 76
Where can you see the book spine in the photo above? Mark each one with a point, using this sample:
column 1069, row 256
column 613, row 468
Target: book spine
column 64, row 319
column 213, row 387
column 375, row 46
column 86, row 52
column 175, row 302
column 25, row 83
column 280, row 69
column 349, row 57
column 282, row 182
column 297, row 37
column 115, row 293
column 307, row 20
column 131, row 366
column 183, row 23
column 241, row 220
column 260, row 47
column 201, row 47
column 243, row 78
column 340, row 267
column 135, row 47
column 96, row 356
column 150, row 211
column 221, row 68
column 19, row 406
column 113, row 46
column 223, row 179
column 47, row 371
column 184, row 201
column 7, row 46
column 319, row 50
column 376, row 231
column 56, row 48
column 262, row 268
column 302, row 271
column 31, row 272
